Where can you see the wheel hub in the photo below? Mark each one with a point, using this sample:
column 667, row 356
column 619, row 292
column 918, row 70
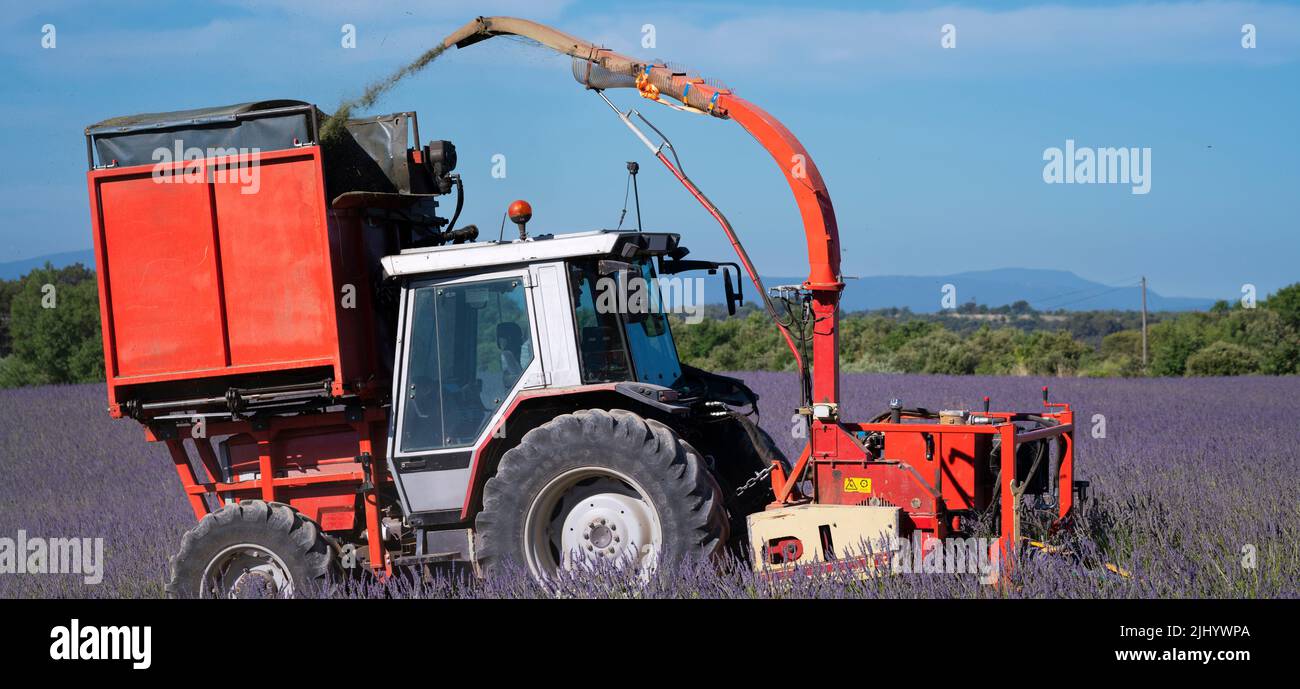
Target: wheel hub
column 607, row 526
column 254, row 584
column 601, row 535
column 590, row 515
column 247, row 571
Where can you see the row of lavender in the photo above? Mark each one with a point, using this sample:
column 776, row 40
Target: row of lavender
column 1194, row 485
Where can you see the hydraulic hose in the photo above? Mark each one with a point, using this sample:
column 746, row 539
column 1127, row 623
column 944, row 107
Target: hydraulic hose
column 739, row 248
column 740, row 252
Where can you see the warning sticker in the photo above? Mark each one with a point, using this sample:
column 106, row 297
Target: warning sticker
column 857, row 485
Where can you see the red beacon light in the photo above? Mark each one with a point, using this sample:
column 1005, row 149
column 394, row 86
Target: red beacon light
column 520, row 213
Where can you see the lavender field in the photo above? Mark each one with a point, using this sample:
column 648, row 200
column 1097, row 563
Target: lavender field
column 1191, row 477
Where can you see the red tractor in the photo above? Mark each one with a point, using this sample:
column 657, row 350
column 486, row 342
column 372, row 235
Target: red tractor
column 363, row 382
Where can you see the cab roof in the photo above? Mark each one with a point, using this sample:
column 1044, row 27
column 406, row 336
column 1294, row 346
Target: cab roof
column 474, row 255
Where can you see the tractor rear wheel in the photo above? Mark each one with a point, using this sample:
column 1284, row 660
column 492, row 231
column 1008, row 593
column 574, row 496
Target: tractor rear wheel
column 596, row 486
column 251, row 549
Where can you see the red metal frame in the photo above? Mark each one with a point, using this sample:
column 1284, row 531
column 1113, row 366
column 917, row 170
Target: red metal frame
column 848, row 452
column 277, row 480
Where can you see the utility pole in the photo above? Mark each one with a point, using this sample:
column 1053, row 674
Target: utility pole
column 1144, row 322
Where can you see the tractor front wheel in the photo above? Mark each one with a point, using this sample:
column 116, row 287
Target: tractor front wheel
column 599, row 486
column 251, row 549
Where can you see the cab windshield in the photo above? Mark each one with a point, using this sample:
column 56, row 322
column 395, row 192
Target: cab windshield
column 622, row 331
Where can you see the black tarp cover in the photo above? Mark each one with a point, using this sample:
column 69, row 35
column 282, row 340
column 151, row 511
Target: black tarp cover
column 134, row 139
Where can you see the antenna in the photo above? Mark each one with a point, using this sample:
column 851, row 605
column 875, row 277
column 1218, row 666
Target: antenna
column 632, row 169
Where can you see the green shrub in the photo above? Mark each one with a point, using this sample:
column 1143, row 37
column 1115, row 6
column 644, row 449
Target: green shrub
column 1052, row 354
column 1223, row 359
column 1286, row 304
column 54, row 326
column 1123, row 343
column 1173, row 341
column 15, row 372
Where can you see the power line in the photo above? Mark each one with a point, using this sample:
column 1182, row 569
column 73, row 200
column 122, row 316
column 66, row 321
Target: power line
column 1092, row 296
column 1126, row 282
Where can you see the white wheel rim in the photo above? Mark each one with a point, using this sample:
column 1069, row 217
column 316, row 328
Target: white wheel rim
column 588, row 516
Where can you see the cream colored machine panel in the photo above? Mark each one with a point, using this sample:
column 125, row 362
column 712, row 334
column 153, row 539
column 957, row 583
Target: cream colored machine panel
column 796, row 535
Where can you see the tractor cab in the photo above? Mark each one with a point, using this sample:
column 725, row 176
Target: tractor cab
column 482, row 325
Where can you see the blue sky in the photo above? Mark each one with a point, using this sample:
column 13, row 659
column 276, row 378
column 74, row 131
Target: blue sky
column 934, row 157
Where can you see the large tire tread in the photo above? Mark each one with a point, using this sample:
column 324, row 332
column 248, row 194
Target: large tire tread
column 683, row 492
column 294, row 538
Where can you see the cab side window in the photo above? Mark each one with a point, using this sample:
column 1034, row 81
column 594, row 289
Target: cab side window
column 601, row 346
column 469, row 346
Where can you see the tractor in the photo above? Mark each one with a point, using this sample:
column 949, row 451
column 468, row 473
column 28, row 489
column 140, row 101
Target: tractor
column 344, row 377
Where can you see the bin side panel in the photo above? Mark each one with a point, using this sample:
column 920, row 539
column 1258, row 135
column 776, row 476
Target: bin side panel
column 163, row 285
column 276, row 266
column 363, row 331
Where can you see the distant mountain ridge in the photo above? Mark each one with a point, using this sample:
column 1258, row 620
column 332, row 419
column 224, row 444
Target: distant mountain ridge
column 1045, row 290
column 15, row 269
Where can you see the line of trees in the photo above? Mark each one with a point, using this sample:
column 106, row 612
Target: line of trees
column 50, row 333
column 1227, row 340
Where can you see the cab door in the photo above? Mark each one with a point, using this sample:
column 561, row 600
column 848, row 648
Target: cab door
column 466, row 347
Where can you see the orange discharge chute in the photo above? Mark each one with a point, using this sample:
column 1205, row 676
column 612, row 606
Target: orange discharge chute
column 601, row 68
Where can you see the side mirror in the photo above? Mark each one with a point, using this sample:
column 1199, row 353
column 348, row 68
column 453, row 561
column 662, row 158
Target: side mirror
column 735, row 293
